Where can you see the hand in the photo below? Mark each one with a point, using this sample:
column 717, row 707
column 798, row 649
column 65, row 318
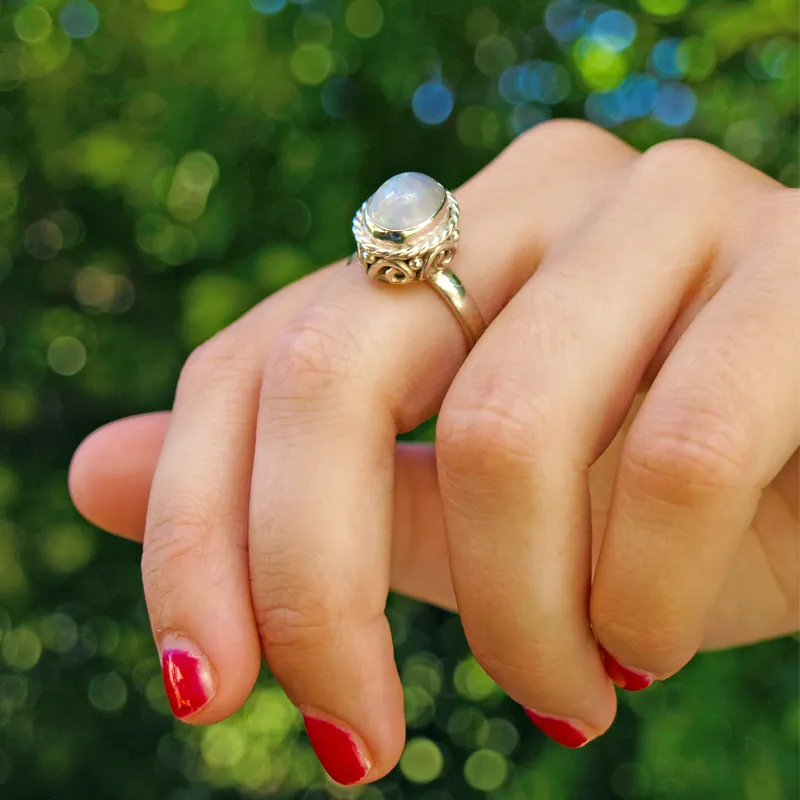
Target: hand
column 281, row 508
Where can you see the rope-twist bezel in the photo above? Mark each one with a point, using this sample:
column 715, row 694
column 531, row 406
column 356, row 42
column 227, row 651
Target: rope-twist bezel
column 416, row 255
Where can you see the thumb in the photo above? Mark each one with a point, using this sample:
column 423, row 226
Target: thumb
column 112, row 470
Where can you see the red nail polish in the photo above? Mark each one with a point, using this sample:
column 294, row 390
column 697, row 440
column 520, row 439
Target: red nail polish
column 624, row 677
column 559, row 730
column 188, row 681
column 337, row 751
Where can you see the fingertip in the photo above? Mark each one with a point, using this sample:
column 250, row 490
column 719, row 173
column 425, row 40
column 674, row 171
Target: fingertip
column 80, row 472
column 624, row 677
column 86, row 482
column 342, row 753
column 111, row 472
column 206, row 686
column 569, row 733
column 210, row 671
column 190, row 680
column 578, row 731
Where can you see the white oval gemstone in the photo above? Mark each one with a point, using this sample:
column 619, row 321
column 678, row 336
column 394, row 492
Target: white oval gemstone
column 405, row 201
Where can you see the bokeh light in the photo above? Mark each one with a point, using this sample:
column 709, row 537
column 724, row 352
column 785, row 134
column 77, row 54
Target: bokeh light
column 311, row 64
column 565, row 19
column 500, row 735
column 478, row 126
column 549, row 83
column 665, row 60
column 664, row 8
column 675, row 104
column 494, row 54
column 613, row 29
column 268, row 6
column 602, row 68
column 364, row 18
column 486, row 770
column 43, row 239
column 779, row 57
column 633, row 99
column 108, row 692
column 638, row 95
column 195, row 176
column 32, row 23
column 341, row 97
column 66, row 355
column 513, row 84
column 422, row 761
column 525, row 117
column 537, row 81
column 605, row 108
column 481, row 23
column 59, row 632
column 21, row 649
column 696, row 58
column 79, row 19
column 432, row 103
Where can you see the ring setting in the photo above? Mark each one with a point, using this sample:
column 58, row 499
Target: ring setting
column 408, row 232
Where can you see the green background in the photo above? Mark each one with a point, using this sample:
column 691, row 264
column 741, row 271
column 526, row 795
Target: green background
column 164, row 165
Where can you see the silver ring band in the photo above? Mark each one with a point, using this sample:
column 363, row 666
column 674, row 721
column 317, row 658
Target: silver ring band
column 408, row 232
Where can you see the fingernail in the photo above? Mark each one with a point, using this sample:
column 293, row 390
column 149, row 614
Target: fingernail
column 564, row 731
column 188, row 677
column 626, row 678
column 337, row 749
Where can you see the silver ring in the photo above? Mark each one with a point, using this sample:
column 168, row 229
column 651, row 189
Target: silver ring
column 407, row 232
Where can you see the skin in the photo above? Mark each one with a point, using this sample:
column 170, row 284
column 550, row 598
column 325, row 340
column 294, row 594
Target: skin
column 616, row 461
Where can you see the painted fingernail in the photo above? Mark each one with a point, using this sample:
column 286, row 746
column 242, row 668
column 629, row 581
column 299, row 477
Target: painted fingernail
column 626, row 678
column 188, row 677
column 564, row 731
column 338, row 751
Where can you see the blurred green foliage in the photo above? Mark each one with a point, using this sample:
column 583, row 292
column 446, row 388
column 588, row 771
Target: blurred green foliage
column 166, row 163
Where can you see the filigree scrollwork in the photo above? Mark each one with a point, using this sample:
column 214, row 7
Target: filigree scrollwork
column 438, row 259
column 392, row 271
column 420, row 253
column 403, row 263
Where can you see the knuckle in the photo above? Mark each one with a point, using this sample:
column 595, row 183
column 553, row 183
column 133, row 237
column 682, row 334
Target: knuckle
column 176, row 534
column 562, row 135
column 539, row 666
column 289, row 616
column 174, row 538
column 311, row 358
column 495, row 424
column 293, row 608
column 679, row 463
column 500, row 668
column 223, row 356
column 544, row 664
column 677, row 155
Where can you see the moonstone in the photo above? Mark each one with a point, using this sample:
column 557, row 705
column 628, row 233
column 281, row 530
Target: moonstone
column 405, row 201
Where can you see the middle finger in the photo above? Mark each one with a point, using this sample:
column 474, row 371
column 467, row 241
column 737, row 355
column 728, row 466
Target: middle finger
column 360, row 365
